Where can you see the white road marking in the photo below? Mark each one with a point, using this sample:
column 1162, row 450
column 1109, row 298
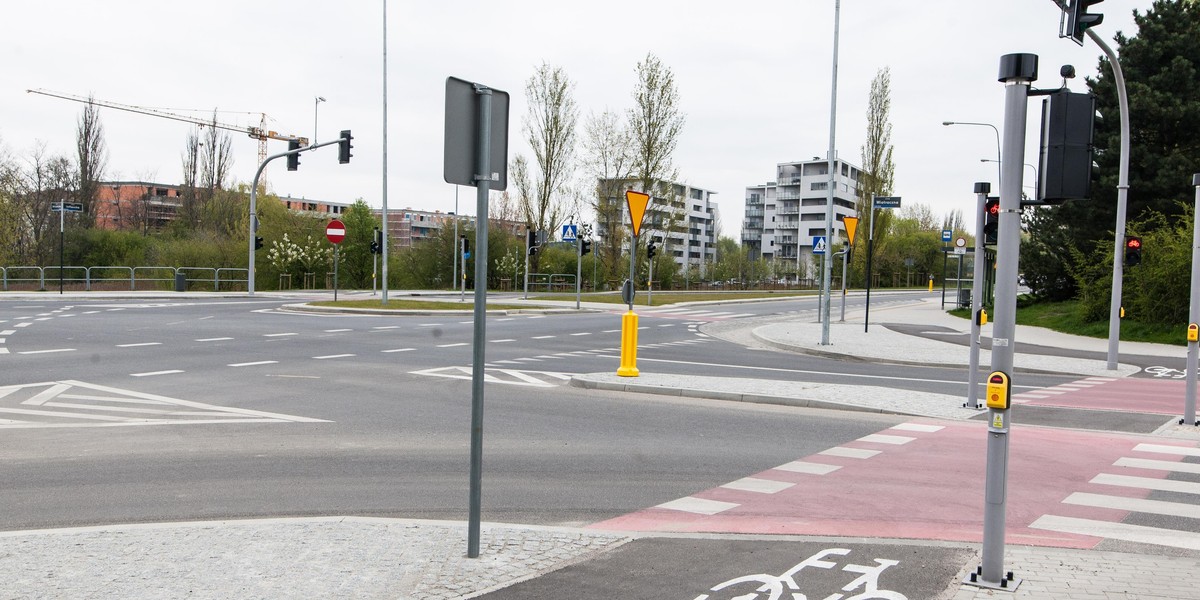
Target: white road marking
column 878, row 438
column 8, row 332
column 1119, row 531
column 698, row 506
column 542, row 337
column 1164, row 449
column 1158, row 465
column 398, row 350
column 337, row 330
column 385, row 327
column 918, row 427
column 47, row 351
column 433, row 324
column 44, row 319
column 452, row 345
column 139, row 344
column 811, row 468
column 220, row 339
column 65, row 316
column 760, row 486
column 582, row 333
column 91, row 312
column 608, row 331
column 278, row 334
column 849, row 452
column 332, row 356
column 253, row 364
column 503, row 341
column 153, row 373
column 667, row 325
column 25, row 324
column 1157, row 507
column 1148, row 483
column 4, row 351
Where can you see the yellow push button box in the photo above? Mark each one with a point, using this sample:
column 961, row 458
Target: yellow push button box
column 998, row 390
column 1193, row 333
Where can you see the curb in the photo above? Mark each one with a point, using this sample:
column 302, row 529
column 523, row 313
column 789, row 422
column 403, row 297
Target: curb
column 308, row 308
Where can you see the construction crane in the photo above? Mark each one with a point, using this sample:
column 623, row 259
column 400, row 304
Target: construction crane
column 260, row 133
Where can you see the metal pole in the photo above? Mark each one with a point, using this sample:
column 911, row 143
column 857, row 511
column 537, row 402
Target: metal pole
column 335, row 271
column 1017, row 71
column 650, row 282
column 527, row 249
column 632, row 268
column 384, row 220
column 980, row 265
column 62, row 210
column 578, row 268
column 845, row 259
column 826, row 267
column 1189, row 405
column 482, row 185
column 870, row 250
column 454, row 268
column 1114, row 310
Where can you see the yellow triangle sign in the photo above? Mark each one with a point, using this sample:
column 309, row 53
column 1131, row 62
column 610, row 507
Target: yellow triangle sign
column 851, row 224
column 637, row 202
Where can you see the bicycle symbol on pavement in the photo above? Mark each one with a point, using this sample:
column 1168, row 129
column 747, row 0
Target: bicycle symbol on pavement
column 771, row 587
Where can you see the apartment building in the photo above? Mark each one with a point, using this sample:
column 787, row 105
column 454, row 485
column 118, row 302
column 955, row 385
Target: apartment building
column 784, row 216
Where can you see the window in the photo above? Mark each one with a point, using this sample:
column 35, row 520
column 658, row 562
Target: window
column 821, row 185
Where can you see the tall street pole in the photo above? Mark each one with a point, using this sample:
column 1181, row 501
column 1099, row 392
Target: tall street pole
column 1193, row 355
column 386, row 234
column 827, row 266
column 979, row 265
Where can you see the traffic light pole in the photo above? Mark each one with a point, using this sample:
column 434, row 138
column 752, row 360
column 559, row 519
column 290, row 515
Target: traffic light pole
column 254, row 206
column 1189, row 405
column 982, row 189
column 578, row 268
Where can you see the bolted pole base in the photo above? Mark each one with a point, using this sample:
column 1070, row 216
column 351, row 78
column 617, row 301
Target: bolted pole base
column 1008, row 583
column 629, row 331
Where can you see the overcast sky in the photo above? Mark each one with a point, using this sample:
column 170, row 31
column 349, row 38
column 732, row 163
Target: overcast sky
column 754, row 80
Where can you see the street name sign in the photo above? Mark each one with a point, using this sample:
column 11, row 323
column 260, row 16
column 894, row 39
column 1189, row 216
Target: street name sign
column 66, row 207
column 887, row 202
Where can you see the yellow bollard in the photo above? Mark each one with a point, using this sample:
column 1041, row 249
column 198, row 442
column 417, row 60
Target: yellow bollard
column 931, row 284
column 629, row 330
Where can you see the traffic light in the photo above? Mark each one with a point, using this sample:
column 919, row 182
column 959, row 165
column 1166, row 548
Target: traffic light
column 991, row 220
column 651, row 250
column 1133, row 250
column 293, row 160
column 531, row 243
column 1080, row 20
column 258, row 242
column 464, row 246
column 374, row 247
column 585, row 246
column 344, row 147
column 1065, row 156
column 377, row 242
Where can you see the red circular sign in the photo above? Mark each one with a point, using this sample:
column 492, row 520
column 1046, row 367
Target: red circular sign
column 335, row 231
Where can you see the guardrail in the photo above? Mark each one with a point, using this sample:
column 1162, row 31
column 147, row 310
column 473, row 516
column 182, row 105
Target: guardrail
column 103, row 277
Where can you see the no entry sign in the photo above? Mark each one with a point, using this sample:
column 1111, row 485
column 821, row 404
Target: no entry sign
column 335, row 231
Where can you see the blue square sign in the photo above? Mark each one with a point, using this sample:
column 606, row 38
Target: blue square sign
column 568, row 232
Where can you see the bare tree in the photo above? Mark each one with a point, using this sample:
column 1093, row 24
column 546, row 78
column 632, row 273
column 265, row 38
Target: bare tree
column 90, row 157
column 655, row 124
column 610, row 163
column 878, row 172
column 549, row 127
column 216, row 156
column 189, row 212
column 922, row 214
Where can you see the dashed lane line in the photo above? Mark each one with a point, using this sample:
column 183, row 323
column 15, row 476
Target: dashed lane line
column 398, row 350
column 216, row 339
column 154, row 373
column 139, row 344
column 543, row 337
column 329, row 356
column 452, row 345
column 253, row 364
column 337, row 330
column 47, row 351
column 278, row 334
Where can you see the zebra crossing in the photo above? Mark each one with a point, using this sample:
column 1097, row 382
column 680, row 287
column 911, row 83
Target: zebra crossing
column 1158, row 481
column 692, row 314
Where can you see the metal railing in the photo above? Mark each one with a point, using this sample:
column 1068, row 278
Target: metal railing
column 102, row 277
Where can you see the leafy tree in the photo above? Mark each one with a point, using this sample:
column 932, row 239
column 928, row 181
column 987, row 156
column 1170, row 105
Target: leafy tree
column 610, row 161
column 356, row 262
column 1162, row 72
column 878, row 173
column 655, row 124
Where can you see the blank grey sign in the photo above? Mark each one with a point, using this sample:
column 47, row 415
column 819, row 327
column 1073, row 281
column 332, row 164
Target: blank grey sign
column 462, row 135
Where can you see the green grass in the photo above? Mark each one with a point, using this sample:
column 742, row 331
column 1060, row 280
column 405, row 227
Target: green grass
column 415, row 305
column 674, row 297
column 1064, row 317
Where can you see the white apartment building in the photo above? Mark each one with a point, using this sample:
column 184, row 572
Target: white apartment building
column 684, row 224
column 783, row 216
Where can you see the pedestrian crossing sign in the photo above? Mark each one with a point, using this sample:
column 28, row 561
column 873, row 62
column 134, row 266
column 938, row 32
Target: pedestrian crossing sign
column 819, row 244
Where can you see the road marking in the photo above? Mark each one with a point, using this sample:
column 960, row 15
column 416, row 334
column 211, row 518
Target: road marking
column 337, row 330
column 503, row 341
column 1119, row 531
column 4, row 351
column 582, row 333
column 918, row 427
column 1158, row 465
column 153, row 373
column 220, row 339
column 278, row 334
column 1157, row 507
column 386, row 327
column 698, row 506
column 139, row 344
column 542, row 337
column 800, row 466
column 398, row 350
column 8, row 332
column 608, row 331
column 452, row 345
column 434, row 324
column 332, row 356
column 760, row 486
column 253, row 364
column 849, row 452
column 1163, row 449
column 508, row 319
column 878, row 438
column 91, row 312
column 668, row 325
column 1148, row 483
column 25, row 324
column 48, row 351
column 115, row 309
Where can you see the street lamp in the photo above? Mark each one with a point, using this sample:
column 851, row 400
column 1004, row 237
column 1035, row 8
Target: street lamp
column 316, row 102
column 997, row 132
column 1031, row 167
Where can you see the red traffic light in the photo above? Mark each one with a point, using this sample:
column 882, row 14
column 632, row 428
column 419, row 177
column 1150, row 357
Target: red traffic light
column 1134, row 243
column 996, row 378
column 993, row 207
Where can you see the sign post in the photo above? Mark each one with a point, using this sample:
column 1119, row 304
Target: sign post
column 877, row 202
column 851, row 225
column 637, row 202
column 63, row 208
column 335, row 232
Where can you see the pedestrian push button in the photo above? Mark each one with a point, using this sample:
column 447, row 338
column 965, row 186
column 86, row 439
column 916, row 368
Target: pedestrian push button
column 998, row 390
column 1193, row 333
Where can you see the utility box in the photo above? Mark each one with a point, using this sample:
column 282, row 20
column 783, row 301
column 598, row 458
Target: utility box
column 180, row 282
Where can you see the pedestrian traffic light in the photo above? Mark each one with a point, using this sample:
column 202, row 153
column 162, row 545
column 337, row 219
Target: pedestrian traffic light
column 651, row 250
column 991, row 220
column 531, row 243
column 293, row 160
column 1080, row 20
column 344, row 147
column 464, row 246
column 585, row 246
column 374, row 247
column 1133, row 250
column 258, row 242
column 1065, row 155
